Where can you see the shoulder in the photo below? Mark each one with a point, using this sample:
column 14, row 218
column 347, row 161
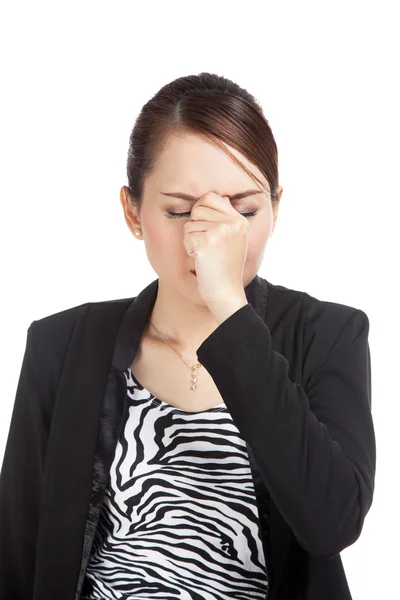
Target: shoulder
column 54, row 332
column 321, row 327
column 315, row 313
column 70, row 316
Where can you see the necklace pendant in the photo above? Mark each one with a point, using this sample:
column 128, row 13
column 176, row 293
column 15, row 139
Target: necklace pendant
column 194, row 378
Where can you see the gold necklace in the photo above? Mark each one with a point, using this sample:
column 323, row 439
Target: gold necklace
column 193, row 367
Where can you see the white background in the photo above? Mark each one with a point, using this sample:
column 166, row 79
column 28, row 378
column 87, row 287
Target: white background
column 74, row 77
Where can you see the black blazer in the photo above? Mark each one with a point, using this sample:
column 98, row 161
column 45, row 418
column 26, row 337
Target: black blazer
column 294, row 372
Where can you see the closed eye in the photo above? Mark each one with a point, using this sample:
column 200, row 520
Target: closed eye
column 172, row 215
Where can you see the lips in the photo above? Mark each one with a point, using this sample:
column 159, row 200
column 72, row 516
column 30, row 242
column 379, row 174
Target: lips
column 194, row 272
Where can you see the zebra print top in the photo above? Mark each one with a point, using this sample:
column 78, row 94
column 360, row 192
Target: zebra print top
column 179, row 518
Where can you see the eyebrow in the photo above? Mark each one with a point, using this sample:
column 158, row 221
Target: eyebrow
column 194, row 199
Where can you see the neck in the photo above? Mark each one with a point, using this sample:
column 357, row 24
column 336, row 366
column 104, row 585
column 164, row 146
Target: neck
column 180, row 321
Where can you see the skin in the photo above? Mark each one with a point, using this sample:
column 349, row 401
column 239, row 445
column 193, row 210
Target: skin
column 193, row 165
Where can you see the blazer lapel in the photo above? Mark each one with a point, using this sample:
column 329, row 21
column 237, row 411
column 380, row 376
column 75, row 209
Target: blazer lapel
column 71, row 482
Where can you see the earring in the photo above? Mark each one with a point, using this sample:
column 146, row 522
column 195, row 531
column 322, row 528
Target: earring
column 137, row 232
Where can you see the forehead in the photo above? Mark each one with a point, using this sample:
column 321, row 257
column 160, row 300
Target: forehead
column 199, row 166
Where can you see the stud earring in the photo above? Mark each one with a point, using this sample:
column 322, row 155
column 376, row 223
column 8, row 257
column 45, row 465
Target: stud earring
column 137, row 232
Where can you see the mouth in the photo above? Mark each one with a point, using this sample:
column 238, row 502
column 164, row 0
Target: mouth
column 194, row 272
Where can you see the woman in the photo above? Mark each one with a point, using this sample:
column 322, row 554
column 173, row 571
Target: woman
column 212, row 437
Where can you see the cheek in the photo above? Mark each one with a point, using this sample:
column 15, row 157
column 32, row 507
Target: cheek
column 163, row 238
column 258, row 237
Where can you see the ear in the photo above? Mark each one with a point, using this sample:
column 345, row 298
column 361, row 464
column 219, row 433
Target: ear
column 130, row 211
column 122, row 196
column 276, row 208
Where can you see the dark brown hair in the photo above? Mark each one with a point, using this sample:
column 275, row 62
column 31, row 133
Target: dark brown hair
column 209, row 105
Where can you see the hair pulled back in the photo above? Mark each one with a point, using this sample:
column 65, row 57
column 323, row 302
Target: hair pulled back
column 209, row 105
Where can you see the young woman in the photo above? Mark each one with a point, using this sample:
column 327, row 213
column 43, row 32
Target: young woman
column 211, row 437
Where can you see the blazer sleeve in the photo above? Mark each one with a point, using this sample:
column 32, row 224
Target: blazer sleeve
column 314, row 446
column 21, row 478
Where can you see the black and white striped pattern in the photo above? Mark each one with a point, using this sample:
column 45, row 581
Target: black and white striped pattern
column 179, row 519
